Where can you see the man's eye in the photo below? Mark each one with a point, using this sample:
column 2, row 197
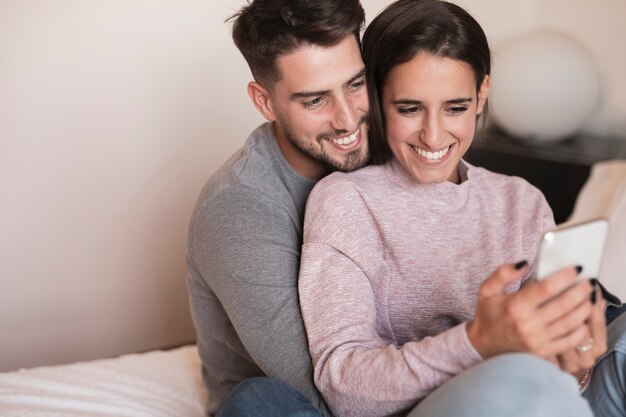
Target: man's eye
column 313, row 103
column 358, row 84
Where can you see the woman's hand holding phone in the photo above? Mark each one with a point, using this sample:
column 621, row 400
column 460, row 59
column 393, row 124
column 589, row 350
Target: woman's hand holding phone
column 553, row 316
column 546, row 318
column 583, row 244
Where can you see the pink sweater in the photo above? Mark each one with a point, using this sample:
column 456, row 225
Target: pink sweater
column 390, row 273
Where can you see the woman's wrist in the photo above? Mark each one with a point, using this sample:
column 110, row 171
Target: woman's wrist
column 473, row 335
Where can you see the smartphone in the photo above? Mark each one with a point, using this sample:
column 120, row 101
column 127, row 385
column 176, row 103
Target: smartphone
column 576, row 244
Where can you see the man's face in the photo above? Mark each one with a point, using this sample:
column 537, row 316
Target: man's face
column 320, row 106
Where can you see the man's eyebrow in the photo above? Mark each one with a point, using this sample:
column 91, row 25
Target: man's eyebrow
column 355, row 77
column 307, row 94
column 407, row 101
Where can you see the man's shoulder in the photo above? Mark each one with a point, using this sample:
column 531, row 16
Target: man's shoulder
column 251, row 172
column 250, row 165
column 255, row 181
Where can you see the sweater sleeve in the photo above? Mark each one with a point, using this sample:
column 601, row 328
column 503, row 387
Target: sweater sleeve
column 343, row 285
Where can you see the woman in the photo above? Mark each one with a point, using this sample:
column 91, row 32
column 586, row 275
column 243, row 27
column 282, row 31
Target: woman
column 397, row 287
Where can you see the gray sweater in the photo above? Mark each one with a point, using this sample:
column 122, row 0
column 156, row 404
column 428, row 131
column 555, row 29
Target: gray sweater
column 243, row 259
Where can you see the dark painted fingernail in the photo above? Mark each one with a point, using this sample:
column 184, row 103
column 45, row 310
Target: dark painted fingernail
column 578, row 269
column 521, row 264
column 594, row 284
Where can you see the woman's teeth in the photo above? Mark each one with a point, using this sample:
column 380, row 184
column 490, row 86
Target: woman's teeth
column 347, row 140
column 431, row 156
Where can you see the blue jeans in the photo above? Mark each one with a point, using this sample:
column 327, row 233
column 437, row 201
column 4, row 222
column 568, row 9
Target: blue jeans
column 606, row 392
column 265, row 397
column 512, row 385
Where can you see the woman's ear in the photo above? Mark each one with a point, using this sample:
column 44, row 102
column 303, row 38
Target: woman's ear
column 483, row 93
column 261, row 100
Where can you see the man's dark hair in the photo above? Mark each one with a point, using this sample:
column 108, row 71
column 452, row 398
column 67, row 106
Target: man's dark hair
column 266, row 29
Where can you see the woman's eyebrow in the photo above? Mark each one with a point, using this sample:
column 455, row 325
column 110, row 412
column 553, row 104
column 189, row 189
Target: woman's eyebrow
column 405, row 101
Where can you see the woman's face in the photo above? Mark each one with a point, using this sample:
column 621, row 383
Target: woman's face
column 430, row 105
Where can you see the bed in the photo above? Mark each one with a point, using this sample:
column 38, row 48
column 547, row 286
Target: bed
column 152, row 384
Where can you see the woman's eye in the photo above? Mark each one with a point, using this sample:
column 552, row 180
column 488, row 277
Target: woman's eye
column 408, row 110
column 457, row 109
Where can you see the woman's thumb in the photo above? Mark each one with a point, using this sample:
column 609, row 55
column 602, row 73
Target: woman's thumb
column 505, row 275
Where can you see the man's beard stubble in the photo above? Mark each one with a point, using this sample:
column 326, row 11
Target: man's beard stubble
column 351, row 161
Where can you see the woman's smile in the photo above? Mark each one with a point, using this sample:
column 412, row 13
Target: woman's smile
column 431, row 157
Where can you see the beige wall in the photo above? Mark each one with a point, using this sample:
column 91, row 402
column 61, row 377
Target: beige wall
column 112, row 115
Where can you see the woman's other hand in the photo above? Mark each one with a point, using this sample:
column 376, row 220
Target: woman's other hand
column 583, row 356
column 545, row 318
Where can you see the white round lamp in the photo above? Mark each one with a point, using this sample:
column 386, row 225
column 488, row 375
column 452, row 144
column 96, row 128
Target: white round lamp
column 544, row 86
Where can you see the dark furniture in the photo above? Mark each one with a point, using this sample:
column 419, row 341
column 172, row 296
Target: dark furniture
column 558, row 169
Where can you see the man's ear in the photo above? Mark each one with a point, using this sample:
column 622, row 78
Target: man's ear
column 261, row 100
column 483, row 93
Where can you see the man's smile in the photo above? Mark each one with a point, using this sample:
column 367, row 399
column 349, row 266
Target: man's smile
column 347, row 142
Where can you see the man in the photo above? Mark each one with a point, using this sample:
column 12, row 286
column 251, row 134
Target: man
column 246, row 231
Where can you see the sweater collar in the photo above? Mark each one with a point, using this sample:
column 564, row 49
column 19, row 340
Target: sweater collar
column 445, row 193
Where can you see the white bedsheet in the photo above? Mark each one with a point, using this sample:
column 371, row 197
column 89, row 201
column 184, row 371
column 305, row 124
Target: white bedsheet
column 152, row 384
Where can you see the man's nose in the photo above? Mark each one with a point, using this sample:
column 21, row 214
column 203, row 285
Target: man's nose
column 345, row 115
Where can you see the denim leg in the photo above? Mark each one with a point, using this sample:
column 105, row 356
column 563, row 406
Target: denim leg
column 511, row 385
column 613, row 312
column 265, row 397
column 606, row 393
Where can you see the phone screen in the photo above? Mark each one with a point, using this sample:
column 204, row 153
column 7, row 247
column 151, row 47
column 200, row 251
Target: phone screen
column 580, row 244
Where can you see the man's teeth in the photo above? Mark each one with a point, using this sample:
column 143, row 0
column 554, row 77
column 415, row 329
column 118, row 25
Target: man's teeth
column 431, row 156
column 346, row 140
